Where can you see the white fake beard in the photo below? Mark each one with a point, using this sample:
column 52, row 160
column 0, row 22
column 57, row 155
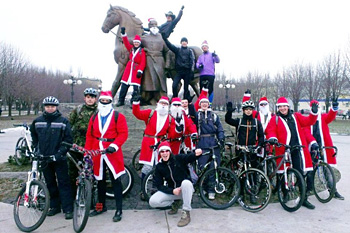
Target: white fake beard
column 104, row 109
column 264, row 109
column 176, row 111
column 154, row 30
column 162, row 110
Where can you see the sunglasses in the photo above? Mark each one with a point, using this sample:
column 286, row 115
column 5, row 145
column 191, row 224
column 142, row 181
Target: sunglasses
column 263, row 104
column 177, row 105
column 162, row 151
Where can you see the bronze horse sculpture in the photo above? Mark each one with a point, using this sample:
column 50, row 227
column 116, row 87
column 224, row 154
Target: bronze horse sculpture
column 122, row 17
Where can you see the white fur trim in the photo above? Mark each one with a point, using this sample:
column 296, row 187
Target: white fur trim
column 281, row 104
column 136, row 103
column 140, row 71
column 136, row 41
column 114, row 146
column 164, row 148
column 263, row 102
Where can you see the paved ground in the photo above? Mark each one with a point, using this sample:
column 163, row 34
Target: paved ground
column 331, row 217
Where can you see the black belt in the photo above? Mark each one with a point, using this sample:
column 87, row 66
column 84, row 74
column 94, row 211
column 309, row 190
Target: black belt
column 207, row 135
column 105, row 139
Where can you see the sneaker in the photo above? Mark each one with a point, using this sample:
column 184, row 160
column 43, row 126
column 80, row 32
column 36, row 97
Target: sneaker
column 98, row 212
column 211, row 196
column 174, row 207
column 117, row 216
column 185, row 219
column 308, row 205
column 68, row 215
column 338, row 196
column 53, row 211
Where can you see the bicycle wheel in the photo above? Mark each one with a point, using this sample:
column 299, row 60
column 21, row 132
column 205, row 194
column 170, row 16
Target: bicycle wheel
column 255, row 190
column 135, row 161
column 127, row 180
column 147, row 186
column 82, row 206
column 20, row 152
column 31, row 215
column 324, row 182
column 224, row 183
column 291, row 192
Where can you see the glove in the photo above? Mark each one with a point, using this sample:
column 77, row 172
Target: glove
column 214, row 54
column 229, row 107
column 335, row 103
column 122, row 30
column 182, row 7
column 258, row 150
column 273, row 141
column 194, row 136
column 248, row 91
column 110, row 150
column 178, row 118
column 314, row 147
column 205, row 84
column 139, row 74
column 314, row 106
column 59, row 157
column 200, row 66
column 135, row 97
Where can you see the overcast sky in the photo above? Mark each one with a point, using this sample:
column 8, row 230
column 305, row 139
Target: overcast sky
column 248, row 35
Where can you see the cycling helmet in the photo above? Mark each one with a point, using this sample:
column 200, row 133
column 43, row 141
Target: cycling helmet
column 90, row 91
column 50, row 100
column 247, row 104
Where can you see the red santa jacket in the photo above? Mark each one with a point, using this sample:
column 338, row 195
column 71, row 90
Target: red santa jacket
column 278, row 128
column 323, row 120
column 111, row 130
column 173, row 135
column 155, row 129
column 137, row 61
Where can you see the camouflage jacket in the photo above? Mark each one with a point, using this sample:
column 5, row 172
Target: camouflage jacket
column 79, row 119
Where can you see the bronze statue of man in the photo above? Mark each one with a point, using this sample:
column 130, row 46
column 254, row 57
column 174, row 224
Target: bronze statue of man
column 154, row 81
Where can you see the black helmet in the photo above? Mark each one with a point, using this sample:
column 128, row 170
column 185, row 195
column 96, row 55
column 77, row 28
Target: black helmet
column 248, row 104
column 50, row 100
column 90, row 91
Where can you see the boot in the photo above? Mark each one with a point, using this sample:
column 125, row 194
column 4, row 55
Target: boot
column 120, row 103
column 185, row 219
column 174, row 207
column 308, row 205
column 338, row 196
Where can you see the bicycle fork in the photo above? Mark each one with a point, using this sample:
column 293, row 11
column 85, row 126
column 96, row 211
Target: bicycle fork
column 32, row 175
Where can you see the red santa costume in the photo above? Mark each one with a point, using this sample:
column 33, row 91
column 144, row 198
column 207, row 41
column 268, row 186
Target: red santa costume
column 278, row 128
column 136, row 63
column 157, row 124
column 321, row 133
column 101, row 136
column 264, row 115
column 189, row 128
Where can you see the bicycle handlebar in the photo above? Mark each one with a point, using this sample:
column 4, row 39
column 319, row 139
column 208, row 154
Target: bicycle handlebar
column 82, row 149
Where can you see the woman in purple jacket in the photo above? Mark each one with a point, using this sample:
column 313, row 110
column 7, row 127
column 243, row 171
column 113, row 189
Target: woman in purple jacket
column 206, row 66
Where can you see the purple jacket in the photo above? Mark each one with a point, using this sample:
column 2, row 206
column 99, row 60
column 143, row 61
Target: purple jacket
column 208, row 62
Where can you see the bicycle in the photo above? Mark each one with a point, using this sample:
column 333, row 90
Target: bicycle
column 254, row 183
column 290, row 185
column 33, row 200
column 87, row 195
column 324, row 181
column 224, row 182
column 23, row 146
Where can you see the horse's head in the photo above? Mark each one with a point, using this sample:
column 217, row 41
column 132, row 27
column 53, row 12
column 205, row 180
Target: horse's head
column 112, row 19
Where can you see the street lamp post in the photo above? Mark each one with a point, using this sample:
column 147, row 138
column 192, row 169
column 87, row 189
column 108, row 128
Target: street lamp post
column 72, row 81
column 226, row 86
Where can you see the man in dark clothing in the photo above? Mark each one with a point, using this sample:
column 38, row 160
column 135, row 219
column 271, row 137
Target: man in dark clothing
column 168, row 27
column 173, row 169
column 48, row 132
column 184, row 65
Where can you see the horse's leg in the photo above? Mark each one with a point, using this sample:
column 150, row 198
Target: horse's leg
column 194, row 85
column 116, row 83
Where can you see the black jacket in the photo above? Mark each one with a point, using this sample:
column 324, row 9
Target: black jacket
column 184, row 57
column 168, row 27
column 48, row 131
column 250, row 130
column 174, row 171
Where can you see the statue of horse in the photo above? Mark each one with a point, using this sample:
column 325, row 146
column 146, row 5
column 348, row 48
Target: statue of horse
column 122, row 17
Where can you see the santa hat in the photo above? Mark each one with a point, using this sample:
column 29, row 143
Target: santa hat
column 203, row 99
column 164, row 99
column 176, row 100
column 137, row 39
column 263, row 100
column 151, row 19
column 246, row 97
column 164, row 146
column 205, row 43
column 106, row 95
column 282, row 101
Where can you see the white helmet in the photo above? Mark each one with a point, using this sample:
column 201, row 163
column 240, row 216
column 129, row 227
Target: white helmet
column 50, row 100
column 247, row 104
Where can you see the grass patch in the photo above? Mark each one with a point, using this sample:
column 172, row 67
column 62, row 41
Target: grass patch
column 10, row 167
column 340, row 126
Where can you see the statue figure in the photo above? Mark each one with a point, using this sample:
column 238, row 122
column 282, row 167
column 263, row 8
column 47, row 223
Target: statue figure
column 120, row 16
